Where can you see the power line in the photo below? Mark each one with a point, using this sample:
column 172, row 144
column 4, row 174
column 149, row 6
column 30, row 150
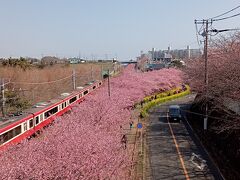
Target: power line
column 223, row 30
column 201, row 28
column 226, row 17
column 225, row 13
column 46, row 82
column 203, row 115
column 207, row 23
column 197, row 33
column 200, row 114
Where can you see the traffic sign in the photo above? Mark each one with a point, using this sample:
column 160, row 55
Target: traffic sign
column 139, row 125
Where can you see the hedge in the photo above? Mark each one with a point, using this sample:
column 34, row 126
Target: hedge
column 163, row 94
column 149, row 102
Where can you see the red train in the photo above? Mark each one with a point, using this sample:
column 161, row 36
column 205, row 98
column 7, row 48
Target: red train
column 18, row 128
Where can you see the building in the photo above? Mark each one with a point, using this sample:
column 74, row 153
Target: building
column 160, row 56
column 166, row 56
column 157, row 59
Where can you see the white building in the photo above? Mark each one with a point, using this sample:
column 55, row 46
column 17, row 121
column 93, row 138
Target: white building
column 166, row 56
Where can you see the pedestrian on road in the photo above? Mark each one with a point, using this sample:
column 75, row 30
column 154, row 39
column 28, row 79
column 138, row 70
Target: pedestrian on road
column 184, row 87
column 124, row 141
column 131, row 125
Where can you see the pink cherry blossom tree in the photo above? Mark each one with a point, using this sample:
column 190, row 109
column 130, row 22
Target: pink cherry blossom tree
column 86, row 144
column 224, row 71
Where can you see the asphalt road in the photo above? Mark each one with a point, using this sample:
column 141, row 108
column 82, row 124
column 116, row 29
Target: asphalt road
column 174, row 153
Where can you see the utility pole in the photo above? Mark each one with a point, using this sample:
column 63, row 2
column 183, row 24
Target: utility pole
column 101, row 71
column 91, row 72
column 74, row 79
column 206, row 74
column 33, row 95
column 3, row 98
column 109, row 83
column 205, row 35
column 79, row 55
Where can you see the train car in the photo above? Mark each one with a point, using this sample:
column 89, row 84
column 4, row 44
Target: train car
column 15, row 129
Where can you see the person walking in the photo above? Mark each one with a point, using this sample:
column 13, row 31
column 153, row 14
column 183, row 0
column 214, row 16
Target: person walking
column 131, row 125
column 124, row 141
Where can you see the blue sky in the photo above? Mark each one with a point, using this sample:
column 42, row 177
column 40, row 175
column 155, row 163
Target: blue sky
column 103, row 28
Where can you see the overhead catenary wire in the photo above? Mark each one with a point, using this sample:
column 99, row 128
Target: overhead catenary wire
column 46, row 82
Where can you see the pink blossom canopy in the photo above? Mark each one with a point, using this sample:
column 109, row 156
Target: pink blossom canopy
column 86, row 144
